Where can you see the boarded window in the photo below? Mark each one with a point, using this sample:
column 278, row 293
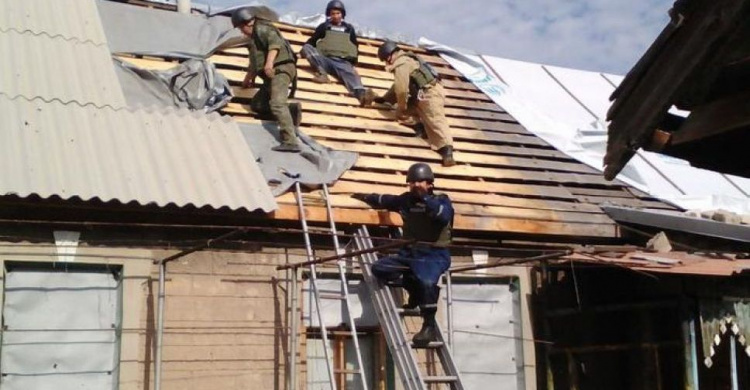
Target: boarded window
column 61, row 327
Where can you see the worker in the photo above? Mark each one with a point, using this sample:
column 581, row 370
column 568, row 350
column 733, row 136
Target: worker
column 271, row 58
column 333, row 49
column 428, row 219
column 417, row 92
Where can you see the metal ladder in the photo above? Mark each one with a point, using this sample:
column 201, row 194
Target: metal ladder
column 343, row 296
column 390, row 317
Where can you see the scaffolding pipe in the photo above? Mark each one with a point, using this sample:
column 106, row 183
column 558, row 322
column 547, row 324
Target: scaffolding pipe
column 293, row 333
column 511, row 262
column 449, row 311
column 183, row 6
column 346, row 255
column 159, row 325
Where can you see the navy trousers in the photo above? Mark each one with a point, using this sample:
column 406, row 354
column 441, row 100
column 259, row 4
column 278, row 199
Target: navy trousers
column 421, row 269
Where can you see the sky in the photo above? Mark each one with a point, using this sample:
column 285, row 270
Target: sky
column 597, row 35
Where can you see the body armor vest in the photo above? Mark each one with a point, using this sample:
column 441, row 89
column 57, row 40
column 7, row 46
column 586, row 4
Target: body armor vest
column 337, row 43
column 420, row 226
column 286, row 54
column 422, row 76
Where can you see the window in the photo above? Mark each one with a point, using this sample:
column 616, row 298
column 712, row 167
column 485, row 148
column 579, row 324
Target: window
column 341, row 349
column 61, row 326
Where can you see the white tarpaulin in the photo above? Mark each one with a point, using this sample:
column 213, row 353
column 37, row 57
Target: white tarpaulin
column 567, row 108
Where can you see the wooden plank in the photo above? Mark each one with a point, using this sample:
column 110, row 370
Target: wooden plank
column 487, row 173
column 384, row 112
column 344, row 135
column 462, row 157
column 507, row 225
column 463, row 203
column 488, row 187
column 343, row 200
column 383, row 126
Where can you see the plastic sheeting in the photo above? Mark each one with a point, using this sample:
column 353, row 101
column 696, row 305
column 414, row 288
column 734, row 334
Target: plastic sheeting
column 140, row 30
column 60, row 330
column 193, row 84
column 315, row 165
column 567, row 108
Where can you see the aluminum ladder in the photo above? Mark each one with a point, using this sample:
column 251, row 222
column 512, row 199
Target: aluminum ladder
column 343, row 297
column 391, row 321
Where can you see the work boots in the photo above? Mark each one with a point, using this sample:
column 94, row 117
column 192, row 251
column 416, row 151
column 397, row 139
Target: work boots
column 321, row 78
column 295, row 109
column 365, row 96
column 429, row 331
column 287, row 147
column 447, row 153
column 419, row 130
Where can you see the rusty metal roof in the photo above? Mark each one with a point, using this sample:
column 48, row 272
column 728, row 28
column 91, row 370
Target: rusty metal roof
column 672, row 262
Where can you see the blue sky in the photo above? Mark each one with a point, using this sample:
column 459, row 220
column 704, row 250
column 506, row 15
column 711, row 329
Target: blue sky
column 598, row 35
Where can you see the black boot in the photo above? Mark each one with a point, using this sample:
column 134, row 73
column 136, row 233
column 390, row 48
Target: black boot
column 419, row 130
column 295, row 110
column 447, row 153
column 287, row 147
column 429, row 331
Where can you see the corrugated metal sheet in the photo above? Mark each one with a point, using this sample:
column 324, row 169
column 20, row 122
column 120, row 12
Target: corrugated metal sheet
column 672, row 262
column 55, row 68
column 169, row 157
column 69, row 19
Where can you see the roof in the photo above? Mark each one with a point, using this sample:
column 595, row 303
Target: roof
column 566, row 107
column 56, row 51
column 680, row 263
column 698, row 63
column 64, row 131
column 508, row 181
column 664, row 220
column 160, row 157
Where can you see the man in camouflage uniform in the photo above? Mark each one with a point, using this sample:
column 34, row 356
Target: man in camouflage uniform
column 271, row 58
column 428, row 219
column 416, row 91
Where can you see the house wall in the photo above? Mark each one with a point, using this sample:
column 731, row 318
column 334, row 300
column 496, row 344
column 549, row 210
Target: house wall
column 225, row 315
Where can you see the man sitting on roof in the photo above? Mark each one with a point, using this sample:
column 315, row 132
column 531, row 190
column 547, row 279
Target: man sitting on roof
column 333, row 49
column 428, row 219
column 417, row 92
column 271, row 58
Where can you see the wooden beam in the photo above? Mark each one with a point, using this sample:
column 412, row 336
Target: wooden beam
column 714, row 118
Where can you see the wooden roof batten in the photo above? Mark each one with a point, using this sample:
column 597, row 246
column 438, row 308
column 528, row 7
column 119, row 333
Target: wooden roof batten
column 507, row 179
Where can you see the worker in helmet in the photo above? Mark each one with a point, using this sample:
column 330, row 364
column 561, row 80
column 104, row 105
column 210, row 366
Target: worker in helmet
column 272, row 59
column 417, row 92
column 332, row 50
column 428, row 219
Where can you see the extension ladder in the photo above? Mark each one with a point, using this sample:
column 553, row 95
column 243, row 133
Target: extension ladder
column 391, row 321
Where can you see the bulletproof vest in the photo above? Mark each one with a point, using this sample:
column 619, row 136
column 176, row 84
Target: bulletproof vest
column 420, row 226
column 286, row 54
column 337, row 43
column 422, row 76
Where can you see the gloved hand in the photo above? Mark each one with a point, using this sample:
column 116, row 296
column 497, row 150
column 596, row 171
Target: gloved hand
column 379, row 100
column 360, row 196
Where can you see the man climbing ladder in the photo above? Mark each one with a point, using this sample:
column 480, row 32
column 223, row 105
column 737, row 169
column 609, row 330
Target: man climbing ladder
column 428, row 219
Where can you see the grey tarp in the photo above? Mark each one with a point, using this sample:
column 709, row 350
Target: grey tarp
column 316, row 164
column 140, row 30
column 193, row 84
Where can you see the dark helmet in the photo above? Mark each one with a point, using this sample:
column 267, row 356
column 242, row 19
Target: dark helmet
column 336, row 4
column 420, row 172
column 242, row 16
column 386, row 49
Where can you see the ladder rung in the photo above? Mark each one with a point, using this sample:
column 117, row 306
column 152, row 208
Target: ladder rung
column 409, row 312
column 440, row 379
column 346, row 372
column 430, row 345
column 332, row 296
